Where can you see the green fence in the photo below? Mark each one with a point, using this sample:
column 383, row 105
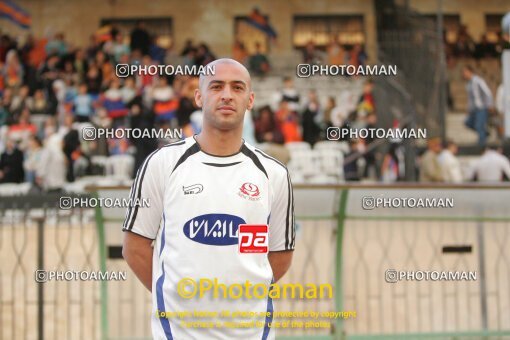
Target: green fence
column 473, row 235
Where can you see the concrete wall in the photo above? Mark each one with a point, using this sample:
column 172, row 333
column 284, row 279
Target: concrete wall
column 213, row 21
column 208, row 21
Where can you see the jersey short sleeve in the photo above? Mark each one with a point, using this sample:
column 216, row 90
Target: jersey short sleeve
column 281, row 219
column 148, row 186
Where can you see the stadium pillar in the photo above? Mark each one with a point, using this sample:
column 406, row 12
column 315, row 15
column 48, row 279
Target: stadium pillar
column 442, row 71
column 505, row 61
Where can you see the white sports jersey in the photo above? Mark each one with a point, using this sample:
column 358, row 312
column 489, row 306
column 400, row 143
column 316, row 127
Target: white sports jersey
column 197, row 201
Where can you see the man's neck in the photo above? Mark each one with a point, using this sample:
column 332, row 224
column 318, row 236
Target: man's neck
column 220, row 143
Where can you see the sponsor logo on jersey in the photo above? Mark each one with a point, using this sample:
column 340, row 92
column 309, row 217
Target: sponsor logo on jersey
column 193, row 189
column 249, row 191
column 213, row 229
column 253, row 238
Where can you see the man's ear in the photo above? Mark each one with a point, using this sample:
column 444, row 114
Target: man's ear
column 198, row 98
column 251, row 100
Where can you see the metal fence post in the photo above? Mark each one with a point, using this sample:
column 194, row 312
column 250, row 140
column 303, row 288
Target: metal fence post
column 339, row 299
column 40, row 266
column 102, row 264
column 483, row 283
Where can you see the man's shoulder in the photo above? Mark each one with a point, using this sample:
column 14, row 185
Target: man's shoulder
column 171, row 152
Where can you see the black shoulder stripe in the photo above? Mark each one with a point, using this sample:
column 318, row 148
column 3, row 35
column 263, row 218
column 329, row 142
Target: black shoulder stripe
column 137, row 185
column 191, row 150
column 254, row 159
column 290, row 228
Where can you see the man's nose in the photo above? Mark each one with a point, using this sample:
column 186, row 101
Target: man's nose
column 226, row 95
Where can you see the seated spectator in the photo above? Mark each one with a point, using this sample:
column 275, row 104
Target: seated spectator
column 12, row 71
column 430, row 168
column 156, row 52
column 326, row 119
column 187, row 106
column 288, row 94
column 310, row 118
column 266, row 128
column 112, row 101
column 140, row 38
column 310, row 54
column 22, row 130
column 57, row 45
column 83, row 105
column 80, row 64
column 116, row 47
column 390, row 169
column 105, row 67
column 129, row 91
column 204, row 55
column 258, row 62
column 71, row 143
column 93, row 80
column 289, row 123
column 372, row 154
column 21, row 101
column 32, row 159
column 11, row 164
column 51, row 173
column 39, row 104
column 366, row 102
column 357, row 55
column 336, row 53
column 146, row 78
column 492, row 166
column 464, row 46
column 143, row 120
column 6, row 106
column 452, row 172
column 344, row 107
column 239, row 52
column 351, row 171
column 188, row 46
column 164, row 102
column 485, row 49
column 69, row 73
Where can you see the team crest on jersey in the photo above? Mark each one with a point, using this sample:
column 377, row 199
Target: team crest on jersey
column 193, row 189
column 249, row 191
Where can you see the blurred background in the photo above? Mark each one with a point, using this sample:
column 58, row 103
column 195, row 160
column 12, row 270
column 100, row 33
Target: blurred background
column 57, row 76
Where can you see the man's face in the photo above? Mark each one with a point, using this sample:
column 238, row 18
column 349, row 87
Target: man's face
column 225, row 97
column 466, row 74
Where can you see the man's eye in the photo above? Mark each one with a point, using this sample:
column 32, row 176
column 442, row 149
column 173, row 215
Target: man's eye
column 238, row 88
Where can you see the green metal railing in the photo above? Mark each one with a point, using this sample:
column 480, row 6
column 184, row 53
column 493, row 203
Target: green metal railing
column 331, row 215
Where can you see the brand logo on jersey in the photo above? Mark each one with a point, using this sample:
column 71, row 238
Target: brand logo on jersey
column 249, row 191
column 213, row 229
column 253, row 238
column 193, row 189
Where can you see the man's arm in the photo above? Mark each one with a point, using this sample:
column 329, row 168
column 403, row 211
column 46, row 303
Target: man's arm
column 280, row 262
column 137, row 251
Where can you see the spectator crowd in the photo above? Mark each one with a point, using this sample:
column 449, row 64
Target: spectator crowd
column 50, row 89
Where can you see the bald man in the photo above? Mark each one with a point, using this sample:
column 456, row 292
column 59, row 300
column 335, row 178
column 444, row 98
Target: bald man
column 220, row 221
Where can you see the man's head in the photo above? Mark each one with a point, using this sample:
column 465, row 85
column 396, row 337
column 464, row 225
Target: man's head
column 451, row 146
column 467, row 72
column 288, row 83
column 225, row 96
column 434, row 145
